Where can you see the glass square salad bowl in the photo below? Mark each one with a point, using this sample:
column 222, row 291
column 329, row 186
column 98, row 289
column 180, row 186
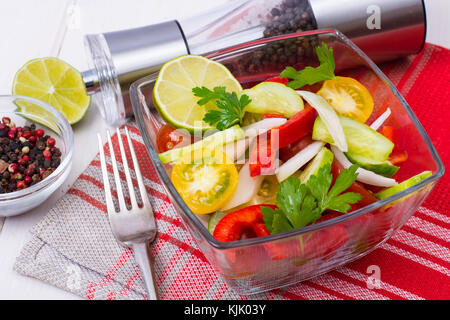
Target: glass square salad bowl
column 249, row 265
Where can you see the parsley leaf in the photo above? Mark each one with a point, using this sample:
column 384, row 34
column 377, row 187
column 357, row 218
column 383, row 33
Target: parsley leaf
column 320, row 183
column 301, row 204
column 230, row 107
column 280, row 223
column 310, row 75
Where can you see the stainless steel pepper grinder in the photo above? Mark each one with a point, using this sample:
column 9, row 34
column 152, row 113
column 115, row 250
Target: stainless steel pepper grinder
column 383, row 29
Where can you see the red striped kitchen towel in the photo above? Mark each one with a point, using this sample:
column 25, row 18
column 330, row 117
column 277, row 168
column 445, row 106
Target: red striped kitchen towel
column 73, row 248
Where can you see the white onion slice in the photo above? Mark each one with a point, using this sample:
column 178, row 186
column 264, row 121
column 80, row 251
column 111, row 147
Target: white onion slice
column 234, row 150
column 299, row 160
column 328, row 116
column 246, row 189
column 262, row 126
column 380, row 120
column 364, row 176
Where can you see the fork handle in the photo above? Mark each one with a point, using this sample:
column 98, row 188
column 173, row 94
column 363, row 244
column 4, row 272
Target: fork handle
column 142, row 257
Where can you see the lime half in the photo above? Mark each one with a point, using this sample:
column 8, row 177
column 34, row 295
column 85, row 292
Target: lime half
column 173, row 95
column 56, row 82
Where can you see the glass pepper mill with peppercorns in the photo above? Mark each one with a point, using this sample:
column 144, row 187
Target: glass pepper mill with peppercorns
column 383, row 29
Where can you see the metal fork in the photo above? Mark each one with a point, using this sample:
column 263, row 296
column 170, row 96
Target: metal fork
column 134, row 227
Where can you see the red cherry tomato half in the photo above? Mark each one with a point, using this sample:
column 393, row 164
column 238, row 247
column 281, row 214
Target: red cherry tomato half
column 169, row 137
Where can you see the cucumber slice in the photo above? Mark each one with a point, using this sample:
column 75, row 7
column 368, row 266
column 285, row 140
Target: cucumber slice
column 213, row 141
column 384, row 168
column 272, row 97
column 214, row 220
column 250, row 117
column 361, row 139
column 324, row 157
column 403, row 185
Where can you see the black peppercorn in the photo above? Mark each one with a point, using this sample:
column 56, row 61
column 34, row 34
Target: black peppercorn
column 40, row 145
column 47, row 164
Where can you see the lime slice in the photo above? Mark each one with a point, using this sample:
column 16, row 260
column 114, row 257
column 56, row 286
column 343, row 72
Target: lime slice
column 56, row 82
column 173, row 95
column 272, row 97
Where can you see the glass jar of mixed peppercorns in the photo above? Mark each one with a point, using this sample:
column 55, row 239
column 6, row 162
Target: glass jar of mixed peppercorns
column 279, row 17
column 27, row 156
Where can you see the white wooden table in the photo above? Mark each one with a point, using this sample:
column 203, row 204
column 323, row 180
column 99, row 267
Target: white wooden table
column 30, row 29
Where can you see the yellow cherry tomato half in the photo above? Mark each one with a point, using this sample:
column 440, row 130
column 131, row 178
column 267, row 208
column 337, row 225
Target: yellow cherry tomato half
column 348, row 97
column 206, row 181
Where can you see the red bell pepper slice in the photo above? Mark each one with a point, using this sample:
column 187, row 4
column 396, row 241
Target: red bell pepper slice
column 278, row 80
column 292, row 149
column 398, row 157
column 263, row 155
column 388, row 132
column 264, row 151
column 271, row 115
column 244, row 223
column 297, row 127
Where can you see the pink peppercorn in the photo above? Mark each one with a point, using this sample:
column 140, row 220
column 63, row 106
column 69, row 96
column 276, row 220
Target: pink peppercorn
column 47, row 154
column 32, row 139
column 27, row 134
column 29, row 171
column 51, row 142
column 13, row 167
column 21, row 184
column 28, row 180
column 39, row 132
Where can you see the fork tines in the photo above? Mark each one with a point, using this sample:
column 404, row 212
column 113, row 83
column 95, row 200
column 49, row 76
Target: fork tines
column 120, row 193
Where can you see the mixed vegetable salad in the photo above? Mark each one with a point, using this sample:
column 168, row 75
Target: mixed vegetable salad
column 293, row 150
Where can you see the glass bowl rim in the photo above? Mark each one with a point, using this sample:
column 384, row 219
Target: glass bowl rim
column 136, row 104
column 65, row 128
